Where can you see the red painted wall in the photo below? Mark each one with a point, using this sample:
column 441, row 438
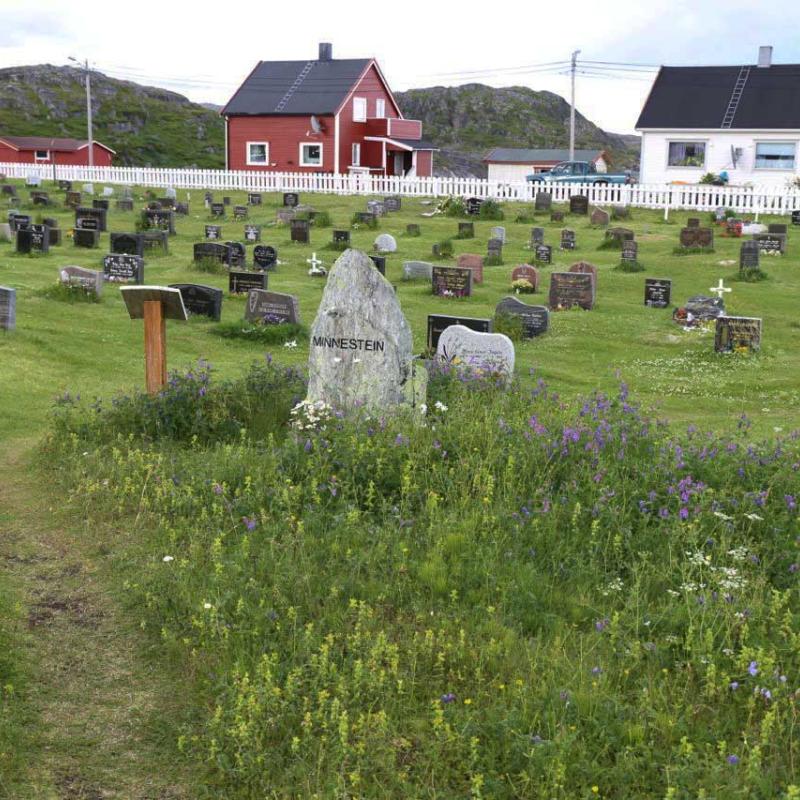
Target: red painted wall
column 405, row 129
column 284, row 135
column 371, row 87
column 102, row 157
column 424, row 163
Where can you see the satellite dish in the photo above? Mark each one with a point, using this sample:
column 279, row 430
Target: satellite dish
column 316, row 125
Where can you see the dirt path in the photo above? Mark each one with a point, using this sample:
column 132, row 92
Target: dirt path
column 104, row 709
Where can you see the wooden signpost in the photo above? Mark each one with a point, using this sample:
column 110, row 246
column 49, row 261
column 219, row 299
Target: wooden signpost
column 155, row 305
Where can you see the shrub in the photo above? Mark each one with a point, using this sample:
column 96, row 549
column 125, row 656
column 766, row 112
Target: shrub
column 453, row 207
column 272, row 333
column 322, row 219
column 212, row 266
column 69, row 294
column 510, row 325
column 490, row 209
column 751, row 275
column 629, row 266
column 445, row 249
column 522, row 286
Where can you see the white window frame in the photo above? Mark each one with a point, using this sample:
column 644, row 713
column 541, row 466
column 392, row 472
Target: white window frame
column 704, row 142
column 302, row 160
column 380, row 108
column 264, row 163
column 774, row 169
column 359, row 109
column 355, row 154
column 45, row 157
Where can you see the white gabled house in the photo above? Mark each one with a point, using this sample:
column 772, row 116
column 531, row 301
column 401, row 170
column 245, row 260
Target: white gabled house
column 741, row 120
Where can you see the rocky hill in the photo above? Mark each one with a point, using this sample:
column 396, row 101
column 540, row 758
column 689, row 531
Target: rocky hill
column 467, row 121
column 144, row 125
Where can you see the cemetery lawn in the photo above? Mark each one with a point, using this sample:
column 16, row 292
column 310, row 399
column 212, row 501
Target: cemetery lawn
column 541, row 592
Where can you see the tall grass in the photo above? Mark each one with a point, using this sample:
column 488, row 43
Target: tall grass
column 511, row 596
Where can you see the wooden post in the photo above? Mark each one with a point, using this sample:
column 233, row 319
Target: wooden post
column 155, row 346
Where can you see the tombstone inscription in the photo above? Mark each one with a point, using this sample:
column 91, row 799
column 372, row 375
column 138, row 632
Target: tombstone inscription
column 463, row 347
column 252, row 233
column 438, row 323
column 89, row 280
column 201, row 300
column 451, row 281
column 33, row 239
column 569, row 289
column 8, row 308
column 535, row 319
column 123, row 268
column 290, row 199
column 578, row 204
column 543, row 254
column 737, row 333
column 525, row 272
column 657, row 292
column 271, row 308
column 543, row 201
column 749, row 254
column 567, row 239
column 243, row 282
column 265, row 257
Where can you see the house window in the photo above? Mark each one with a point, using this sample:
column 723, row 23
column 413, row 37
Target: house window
column 775, row 155
column 380, row 108
column 687, row 154
column 310, row 155
column 42, row 155
column 258, row 152
column 359, row 109
column 356, row 158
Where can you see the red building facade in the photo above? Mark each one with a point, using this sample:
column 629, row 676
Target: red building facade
column 323, row 116
column 47, row 151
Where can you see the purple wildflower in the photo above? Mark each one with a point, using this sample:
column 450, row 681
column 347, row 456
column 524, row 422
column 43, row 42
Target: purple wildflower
column 250, row 523
column 791, row 503
column 447, row 698
column 733, row 685
column 601, row 625
column 753, row 668
column 733, row 759
column 307, row 446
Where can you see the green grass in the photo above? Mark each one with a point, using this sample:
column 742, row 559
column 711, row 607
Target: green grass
column 95, row 349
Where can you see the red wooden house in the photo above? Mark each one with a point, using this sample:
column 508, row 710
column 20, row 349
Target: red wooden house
column 46, row 150
column 324, row 116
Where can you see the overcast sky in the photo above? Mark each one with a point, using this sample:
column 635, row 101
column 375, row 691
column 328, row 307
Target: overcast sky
column 205, row 50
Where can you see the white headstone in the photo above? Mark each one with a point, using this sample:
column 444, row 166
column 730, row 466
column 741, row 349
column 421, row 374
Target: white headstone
column 170, row 192
column 88, row 188
column 385, row 243
column 108, row 191
column 417, row 269
column 360, row 348
column 498, row 232
column 5, row 232
column 487, row 352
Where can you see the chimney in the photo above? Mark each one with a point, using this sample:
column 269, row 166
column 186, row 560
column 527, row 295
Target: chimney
column 326, row 51
column 765, row 56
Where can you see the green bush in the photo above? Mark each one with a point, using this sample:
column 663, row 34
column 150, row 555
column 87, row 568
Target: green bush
column 453, row 207
column 510, row 325
column 263, row 334
column 490, row 209
column 69, row 294
column 445, row 249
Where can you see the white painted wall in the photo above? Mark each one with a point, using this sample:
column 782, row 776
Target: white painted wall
column 655, row 147
column 518, row 172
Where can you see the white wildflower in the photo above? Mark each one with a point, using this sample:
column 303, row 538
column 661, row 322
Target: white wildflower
column 754, row 517
column 440, row 406
column 721, row 515
column 167, row 559
column 291, row 344
column 207, row 606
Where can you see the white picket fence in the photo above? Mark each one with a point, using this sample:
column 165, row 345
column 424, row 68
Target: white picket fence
column 745, row 200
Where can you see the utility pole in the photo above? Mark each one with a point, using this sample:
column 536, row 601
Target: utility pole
column 88, row 108
column 573, row 64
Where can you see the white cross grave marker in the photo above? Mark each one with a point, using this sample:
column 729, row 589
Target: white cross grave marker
column 720, row 290
column 314, row 261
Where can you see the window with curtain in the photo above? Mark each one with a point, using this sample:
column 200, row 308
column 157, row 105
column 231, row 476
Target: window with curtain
column 775, row 155
column 687, row 154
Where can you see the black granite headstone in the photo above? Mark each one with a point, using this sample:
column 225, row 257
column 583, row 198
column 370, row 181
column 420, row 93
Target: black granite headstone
column 120, row 268
column 437, row 323
column 243, row 282
column 657, row 292
column 130, row 243
column 200, row 299
column 535, row 319
column 265, row 257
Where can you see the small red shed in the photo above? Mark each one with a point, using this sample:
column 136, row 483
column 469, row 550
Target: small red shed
column 324, row 116
column 46, row 150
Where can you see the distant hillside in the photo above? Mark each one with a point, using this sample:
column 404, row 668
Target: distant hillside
column 467, row 121
column 144, row 125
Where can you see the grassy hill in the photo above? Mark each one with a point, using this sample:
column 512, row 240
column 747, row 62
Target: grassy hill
column 143, row 124
column 466, row 121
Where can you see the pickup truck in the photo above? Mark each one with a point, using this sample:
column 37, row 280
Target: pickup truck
column 577, row 172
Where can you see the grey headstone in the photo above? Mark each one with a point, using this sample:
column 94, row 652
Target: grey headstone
column 386, row 243
column 535, row 319
column 5, row 232
column 360, row 348
column 89, row 279
column 271, row 307
column 8, row 308
column 460, row 346
column 413, row 270
column 498, row 232
column 87, row 188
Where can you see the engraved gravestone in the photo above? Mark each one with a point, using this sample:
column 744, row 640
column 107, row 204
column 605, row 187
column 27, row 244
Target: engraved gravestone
column 201, row 300
column 657, row 292
column 543, row 254
column 474, row 262
column 33, row 239
column 265, row 257
column 88, row 279
column 131, row 243
column 254, row 198
column 567, row 239
column 697, row 238
column 8, row 308
column 473, row 206
column 466, row 230
column 18, row 221
column 630, row 251
column 252, row 233
column 217, row 209
column 85, row 237
column 537, row 236
column 438, row 323
column 341, row 238
column 543, row 201
column 584, row 267
column 300, row 231
column 360, row 348
column 600, row 217
column 620, row 212
column 101, row 203
column 240, row 212
column 462, row 347
column 271, row 308
column 385, row 243
column 535, row 319
column 290, row 199
column 376, row 208
column 123, row 268
column 242, row 282
column 568, row 289
column 494, row 249
column 525, row 272
column 414, row 270
column 451, row 282
column 771, row 242
column 796, row 217
column 749, row 254
column 578, row 204
column 90, row 218
column 735, row 333
column 159, row 219
column 213, row 232
column 238, row 254
column 124, row 204
column 498, row 232
column 211, row 251
column 72, row 200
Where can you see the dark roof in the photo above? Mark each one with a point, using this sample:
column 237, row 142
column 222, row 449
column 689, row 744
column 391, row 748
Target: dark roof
column 296, row 87
column 698, row 98
column 414, row 144
column 512, row 154
column 46, row 143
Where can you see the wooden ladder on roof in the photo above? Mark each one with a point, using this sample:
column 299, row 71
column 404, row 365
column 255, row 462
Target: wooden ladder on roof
column 295, row 86
column 736, row 96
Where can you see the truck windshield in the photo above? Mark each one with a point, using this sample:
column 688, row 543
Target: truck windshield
column 561, row 169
